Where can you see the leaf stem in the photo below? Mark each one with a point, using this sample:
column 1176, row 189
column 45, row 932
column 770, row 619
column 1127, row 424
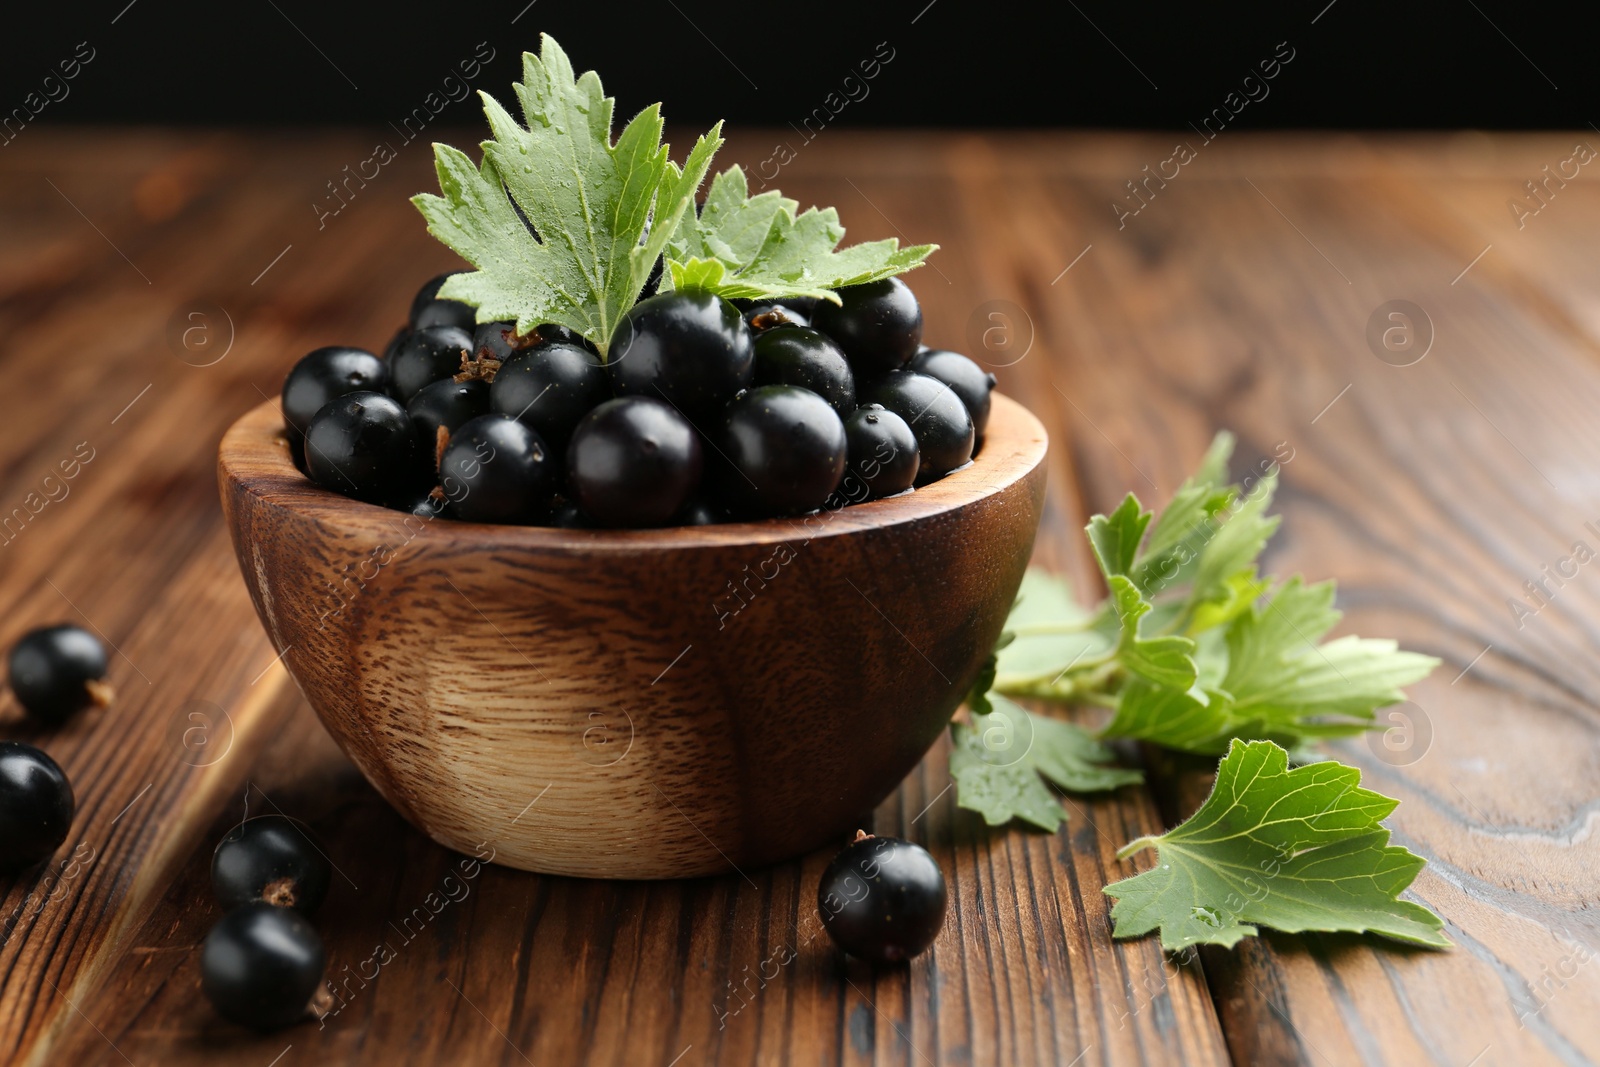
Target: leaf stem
column 1138, row 844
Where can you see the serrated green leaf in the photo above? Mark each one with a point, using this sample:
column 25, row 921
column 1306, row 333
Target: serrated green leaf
column 588, row 200
column 1213, row 469
column 747, row 247
column 997, row 760
column 1292, row 849
column 1281, row 678
column 1051, row 633
column 1167, row 661
column 1115, row 537
column 1233, row 548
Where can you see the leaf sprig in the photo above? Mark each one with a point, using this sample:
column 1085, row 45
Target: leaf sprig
column 563, row 225
column 1194, row 650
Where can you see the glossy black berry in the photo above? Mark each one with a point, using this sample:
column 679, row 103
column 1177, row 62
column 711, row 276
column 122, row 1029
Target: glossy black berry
column 965, row 378
column 549, row 388
column 796, row 355
column 500, row 340
column 495, row 469
column 883, row 453
column 689, row 349
column 800, row 305
column 787, row 449
column 36, row 806
column 879, row 325
column 882, row 899
column 272, row 859
column 760, row 317
column 394, row 342
column 327, row 374
column 261, row 966
column 633, row 461
column 935, row 414
column 701, row 512
column 426, row 356
column 428, row 310
column 58, row 670
column 446, row 405
column 362, row 445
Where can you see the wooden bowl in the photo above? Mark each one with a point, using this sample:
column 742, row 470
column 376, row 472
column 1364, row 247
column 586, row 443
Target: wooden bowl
column 636, row 704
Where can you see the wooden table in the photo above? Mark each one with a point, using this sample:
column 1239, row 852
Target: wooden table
column 1239, row 296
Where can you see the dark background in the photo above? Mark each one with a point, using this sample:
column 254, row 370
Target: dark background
column 1361, row 63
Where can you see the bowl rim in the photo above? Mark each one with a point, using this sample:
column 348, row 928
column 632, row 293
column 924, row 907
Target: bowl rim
column 254, row 456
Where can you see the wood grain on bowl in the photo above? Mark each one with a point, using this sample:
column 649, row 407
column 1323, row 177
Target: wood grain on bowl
column 642, row 704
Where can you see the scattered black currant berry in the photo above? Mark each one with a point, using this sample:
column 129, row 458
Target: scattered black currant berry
column 362, row 445
column 935, row 414
column 327, row 374
column 36, row 806
column 426, row 356
column 787, row 448
column 495, row 469
column 879, row 325
column 58, row 670
column 443, row 407
column 633, row 461
column 760, row 317
column 882, row 899
column 271, row 859
column 796, row 355
column 965, row 378
column 689, row 349
column 882, row 449
column 262, row 966
column 549, row 388
column 428, row 310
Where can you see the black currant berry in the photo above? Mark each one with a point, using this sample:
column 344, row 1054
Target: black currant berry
column 882, row 899
column 394, row 342
column 426, row 356
column 445, row 406
column 58, row 670
column 883, row 451
column 878, row 326
column 36, row 806
column 799, row 305
column 796, row 355
column 566, row 515
column 495, row 469
column 935, row 414
column 770, row 316
column 549, row 388
column 965, row 378
column 272, row 859
column 327, row 374
column 787, row 448
column 428, row 310
column 261, row 966
column 362, row 445
column 689, row 349
column 701, row 512
column 633, row 461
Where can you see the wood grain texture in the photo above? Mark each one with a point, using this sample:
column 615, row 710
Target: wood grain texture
column 1238, row 297
column 636, row 703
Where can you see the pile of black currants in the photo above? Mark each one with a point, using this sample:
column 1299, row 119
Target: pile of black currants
column 702, row 412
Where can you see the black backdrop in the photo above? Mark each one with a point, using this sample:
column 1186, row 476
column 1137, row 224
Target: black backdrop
column 1355, row 63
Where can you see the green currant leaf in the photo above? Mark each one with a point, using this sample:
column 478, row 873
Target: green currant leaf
column 743, row 246
column 1292, row 849
column 583, row 256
